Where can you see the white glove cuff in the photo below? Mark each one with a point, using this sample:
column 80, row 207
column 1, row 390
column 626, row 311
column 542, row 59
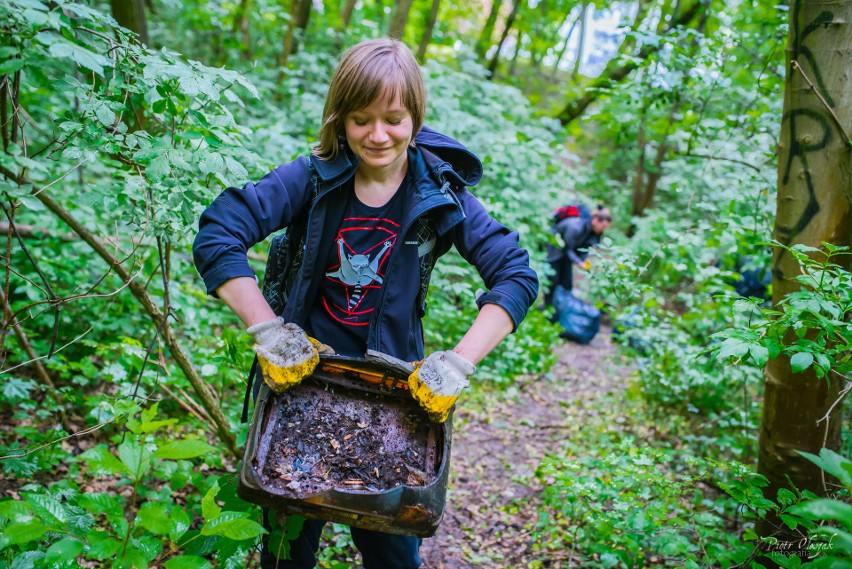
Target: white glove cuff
column 460, row 363
column 258, row 331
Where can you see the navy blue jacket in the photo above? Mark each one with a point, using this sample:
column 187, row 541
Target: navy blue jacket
column 239, row 218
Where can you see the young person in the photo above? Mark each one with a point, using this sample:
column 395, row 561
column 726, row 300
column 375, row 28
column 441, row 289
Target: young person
column 579, row 233
column 374, row 185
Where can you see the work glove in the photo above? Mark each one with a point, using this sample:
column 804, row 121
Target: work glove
column 586, row 265
column 437, row 382
column 285, row 353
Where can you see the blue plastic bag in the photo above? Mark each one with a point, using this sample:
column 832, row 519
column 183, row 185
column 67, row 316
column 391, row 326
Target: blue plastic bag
column 580, row 320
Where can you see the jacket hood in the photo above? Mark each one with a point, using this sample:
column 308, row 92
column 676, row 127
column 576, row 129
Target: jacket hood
column 444, row 156
column 449, row 157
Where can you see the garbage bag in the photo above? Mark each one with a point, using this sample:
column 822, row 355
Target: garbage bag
column 580, row 320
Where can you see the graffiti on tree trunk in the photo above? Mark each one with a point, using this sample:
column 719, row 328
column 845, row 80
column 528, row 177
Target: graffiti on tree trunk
column 815, row 124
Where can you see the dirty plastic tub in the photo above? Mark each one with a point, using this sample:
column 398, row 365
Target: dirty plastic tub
column 368, row 399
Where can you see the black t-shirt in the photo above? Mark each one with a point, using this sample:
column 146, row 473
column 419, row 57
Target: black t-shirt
column 354, row 273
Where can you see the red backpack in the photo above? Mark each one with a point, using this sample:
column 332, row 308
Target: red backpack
column 571, row 210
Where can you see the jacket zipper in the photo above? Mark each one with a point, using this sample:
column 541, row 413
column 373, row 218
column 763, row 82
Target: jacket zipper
column 372, row 337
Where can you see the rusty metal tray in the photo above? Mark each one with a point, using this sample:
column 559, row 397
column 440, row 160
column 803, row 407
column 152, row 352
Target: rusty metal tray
column 372, row 392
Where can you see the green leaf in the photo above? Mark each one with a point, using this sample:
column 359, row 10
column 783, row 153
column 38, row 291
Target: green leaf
column 238, row 530
column 24, row 532
column 732, row 347
column 785, row 497
column 236, row 169
column 63, row 551
column 824, row 509
column 101, row 503
column 213, row 163
column 80, row 55
column 105, row 115
column 11, row 65
column 13, row 510
column 801, row 361
column 187, row 562
column 180, row 523
column 155, row 518
column 185, row 449
column 101, row 461
column 833, row 463
column 789, row 521
column 210, row 510
column 101, row 545
column 759, row 354
column 48, row 508
column 135, row 457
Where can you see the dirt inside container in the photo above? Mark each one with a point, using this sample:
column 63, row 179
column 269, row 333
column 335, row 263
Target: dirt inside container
column 325, row 439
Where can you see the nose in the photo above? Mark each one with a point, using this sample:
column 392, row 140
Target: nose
column 378, row 133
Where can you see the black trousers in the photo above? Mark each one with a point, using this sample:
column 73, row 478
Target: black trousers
column 562, row 275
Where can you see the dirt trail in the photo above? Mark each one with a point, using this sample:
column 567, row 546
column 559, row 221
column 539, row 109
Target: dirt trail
column 494, row 495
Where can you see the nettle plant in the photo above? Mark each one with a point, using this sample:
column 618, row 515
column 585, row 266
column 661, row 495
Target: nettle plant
column 144, row 500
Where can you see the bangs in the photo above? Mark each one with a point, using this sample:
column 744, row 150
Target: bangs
column 381, row 79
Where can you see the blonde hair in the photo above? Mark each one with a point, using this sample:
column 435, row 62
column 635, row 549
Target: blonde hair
column 371, row 69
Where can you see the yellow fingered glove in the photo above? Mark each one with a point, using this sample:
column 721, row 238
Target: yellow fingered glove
column 285, row 353
column 437, row 382
column 586, row 265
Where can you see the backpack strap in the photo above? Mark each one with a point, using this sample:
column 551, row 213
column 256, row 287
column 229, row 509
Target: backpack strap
column 427, row 237
column 286, row 254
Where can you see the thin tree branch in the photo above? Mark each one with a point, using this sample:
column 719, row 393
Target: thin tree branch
column 797, row 67
column 145, row 299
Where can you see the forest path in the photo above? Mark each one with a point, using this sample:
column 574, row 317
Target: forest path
column 494, row 496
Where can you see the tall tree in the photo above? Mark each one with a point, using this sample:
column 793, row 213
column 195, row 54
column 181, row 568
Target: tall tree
column 814, row 206
column 565, row 42
column 510, row 20
column 300, row 13
column 242, row 27
column 346, row 14
column 620, row 67
column 130, row 14
column 399, row 19
column 428, row 28
column 484, row 41
column 581, row 41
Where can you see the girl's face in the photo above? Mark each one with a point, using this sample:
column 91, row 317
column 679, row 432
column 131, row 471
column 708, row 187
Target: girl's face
column 380, row 134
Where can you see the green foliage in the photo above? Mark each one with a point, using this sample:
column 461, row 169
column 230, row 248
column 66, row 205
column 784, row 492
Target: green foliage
column 148, row 474
column 619, row 499
column 810, row 326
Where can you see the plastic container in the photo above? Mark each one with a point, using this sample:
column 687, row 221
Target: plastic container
column 294, row 464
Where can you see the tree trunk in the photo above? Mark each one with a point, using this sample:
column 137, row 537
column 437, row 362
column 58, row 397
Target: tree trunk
column 303, row 17
column 581, row 41
column 564, row 48
column 519, row 40
column 241, row 26
column 130, row 14
column 346, row 15
column 618, row 68
column 814, row 206
column 426, row 39
column 492, row 67
column 484, row 41
column 399, row 19
column 287, row 45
